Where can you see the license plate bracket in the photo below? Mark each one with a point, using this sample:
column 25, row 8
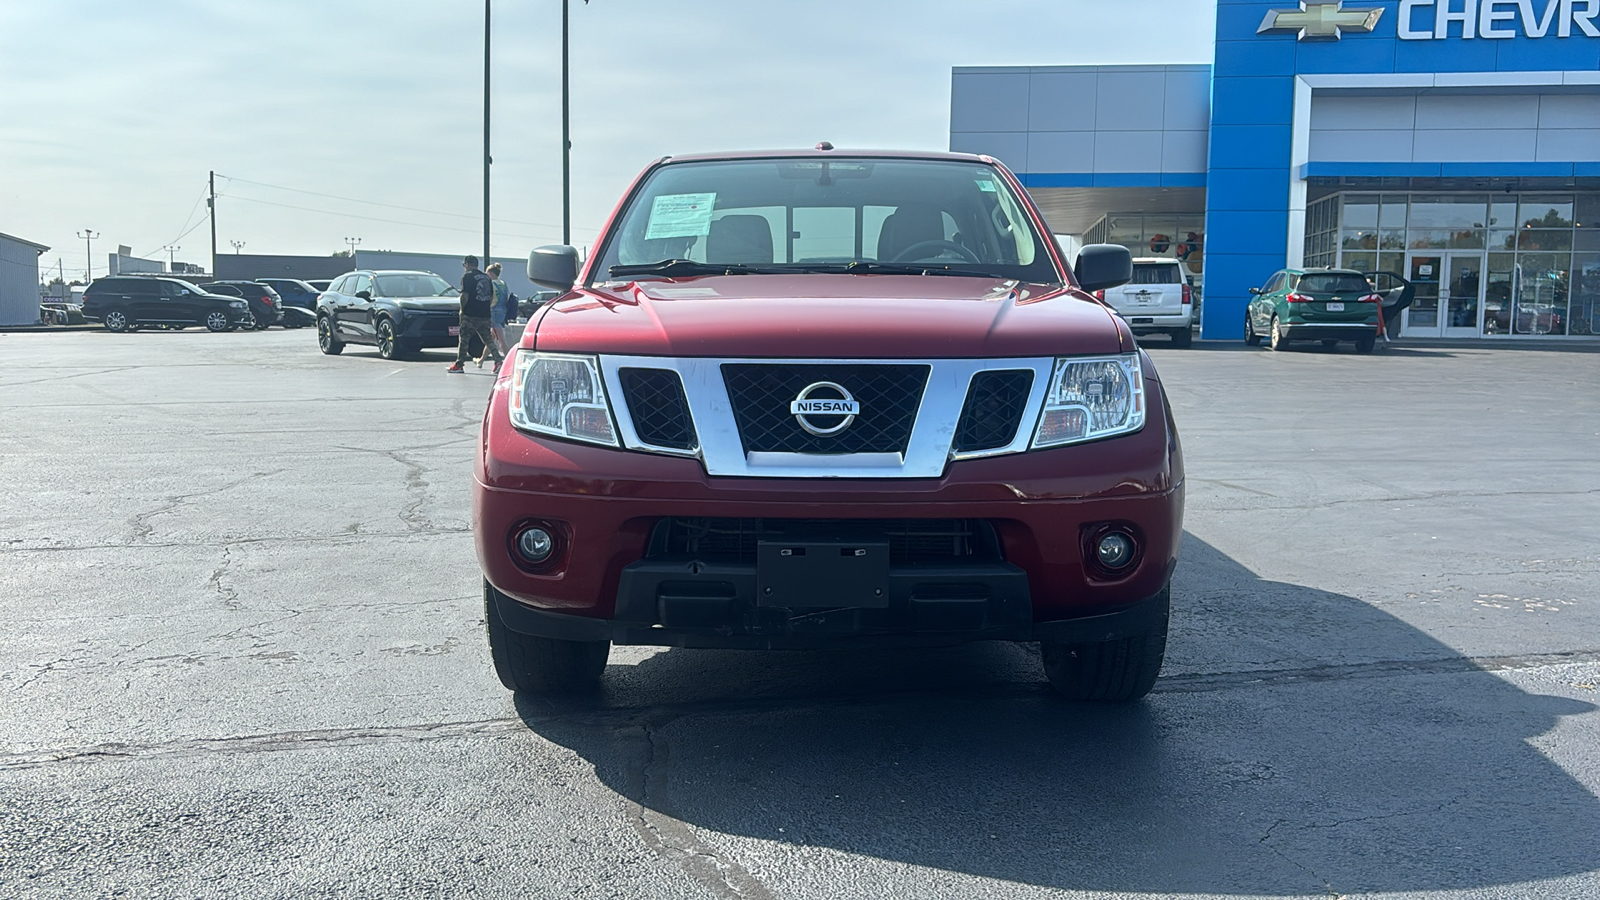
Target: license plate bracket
column 814, row 574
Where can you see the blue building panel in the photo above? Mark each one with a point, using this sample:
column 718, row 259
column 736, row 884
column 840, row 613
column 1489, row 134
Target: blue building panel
column 1254, row 100
column 1251, row 147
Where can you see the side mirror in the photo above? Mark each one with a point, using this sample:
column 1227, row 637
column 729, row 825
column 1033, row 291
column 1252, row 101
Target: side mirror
column 1102, row 266
column 554, row 267
column 1255, row 291
column 365, row 295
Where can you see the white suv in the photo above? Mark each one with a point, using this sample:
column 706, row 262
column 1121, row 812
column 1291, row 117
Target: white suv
column 1157, row 301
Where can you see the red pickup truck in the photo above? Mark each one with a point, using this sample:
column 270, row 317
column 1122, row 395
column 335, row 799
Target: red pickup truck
column 828, row 399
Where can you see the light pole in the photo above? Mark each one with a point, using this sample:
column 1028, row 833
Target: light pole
column 486, row 160
column 88, row 253
column 172, row 250
column 237, row 246
column 352, row 242
column 566, row 132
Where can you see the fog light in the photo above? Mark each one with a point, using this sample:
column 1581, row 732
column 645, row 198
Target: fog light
column 535, row 545
column 1115, row 551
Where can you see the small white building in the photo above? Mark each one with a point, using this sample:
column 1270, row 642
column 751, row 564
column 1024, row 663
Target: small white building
column 19, row 280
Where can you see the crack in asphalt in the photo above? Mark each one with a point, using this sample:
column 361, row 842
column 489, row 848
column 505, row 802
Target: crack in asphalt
column 671, row 838
column 416, row 481
column 142, row 529
column 656, row 716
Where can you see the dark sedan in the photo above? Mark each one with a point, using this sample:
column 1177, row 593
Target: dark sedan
column 298, row 300
column 399, row 312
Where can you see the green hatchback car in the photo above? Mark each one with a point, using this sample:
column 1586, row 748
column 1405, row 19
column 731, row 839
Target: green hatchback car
column 1327, row 305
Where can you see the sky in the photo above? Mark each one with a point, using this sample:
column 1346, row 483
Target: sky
column 344, row 119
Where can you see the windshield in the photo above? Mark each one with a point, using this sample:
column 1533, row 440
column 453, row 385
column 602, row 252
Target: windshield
column 824, row 214
column 414, row 284
column 1333, row 283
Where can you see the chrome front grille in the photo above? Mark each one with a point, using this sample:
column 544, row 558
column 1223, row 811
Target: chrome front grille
column 761, row 393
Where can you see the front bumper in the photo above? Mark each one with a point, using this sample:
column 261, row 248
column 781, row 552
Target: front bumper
column 608, row 503
column 429, row 329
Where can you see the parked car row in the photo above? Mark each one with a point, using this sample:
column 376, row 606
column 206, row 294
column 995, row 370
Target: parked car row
column 130, row 302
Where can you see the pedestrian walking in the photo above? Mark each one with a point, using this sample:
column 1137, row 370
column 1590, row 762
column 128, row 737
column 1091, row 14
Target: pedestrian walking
column 477, row 300
column 500, row 313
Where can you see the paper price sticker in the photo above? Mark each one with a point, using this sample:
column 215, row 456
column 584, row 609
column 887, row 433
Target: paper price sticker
column 680, row 215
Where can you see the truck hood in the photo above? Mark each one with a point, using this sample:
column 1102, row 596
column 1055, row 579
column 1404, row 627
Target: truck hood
column 831, row 316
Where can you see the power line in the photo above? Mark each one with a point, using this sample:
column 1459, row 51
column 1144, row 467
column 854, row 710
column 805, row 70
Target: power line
column 329, row 212
column 431, row 212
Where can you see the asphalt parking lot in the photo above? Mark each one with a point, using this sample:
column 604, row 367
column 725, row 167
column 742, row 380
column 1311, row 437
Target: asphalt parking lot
column 243, row 656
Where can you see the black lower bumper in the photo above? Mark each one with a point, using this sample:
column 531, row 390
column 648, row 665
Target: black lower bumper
column 1330, row 331
column 670, row 605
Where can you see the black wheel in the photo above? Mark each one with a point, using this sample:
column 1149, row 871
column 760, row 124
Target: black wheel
column 1108, row 671
column 217, row 320
column 1275, row 338
column 116, row 321
column 1251, row 339
column 1365, row 343
column 249, row 321
column 538, row 665
column 389, row 346
column 1182, row 338
column 1329, row 345
column 325, row 339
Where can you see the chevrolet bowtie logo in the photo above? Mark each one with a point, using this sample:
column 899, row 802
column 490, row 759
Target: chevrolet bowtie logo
column 1319, row 21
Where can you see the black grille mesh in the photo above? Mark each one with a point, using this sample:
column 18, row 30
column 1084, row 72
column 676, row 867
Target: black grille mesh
column 911, row 541
column 994, row 409
column 889, row 396
column 660, row 412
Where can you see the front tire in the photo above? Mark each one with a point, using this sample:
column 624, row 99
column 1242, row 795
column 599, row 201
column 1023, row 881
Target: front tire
column 116, row 321
column 388, row 344
column 1116, row 671
column 217, row 321
column 1275, row 338
column 1251, row 339
column 326, row 341
column 537, row 665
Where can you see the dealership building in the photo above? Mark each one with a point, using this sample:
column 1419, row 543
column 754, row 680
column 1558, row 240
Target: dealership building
column 1454, row 142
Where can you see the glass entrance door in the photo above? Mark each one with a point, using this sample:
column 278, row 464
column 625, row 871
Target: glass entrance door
column 1449, row 297
column 1462, row 303
column 1427, row 276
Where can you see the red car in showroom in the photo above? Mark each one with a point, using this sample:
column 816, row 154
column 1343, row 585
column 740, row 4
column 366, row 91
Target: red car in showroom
column 827, row 399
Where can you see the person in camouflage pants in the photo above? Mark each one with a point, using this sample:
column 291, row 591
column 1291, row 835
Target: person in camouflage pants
column 477, row 298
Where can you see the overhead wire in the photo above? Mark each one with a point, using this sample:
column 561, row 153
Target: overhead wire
column 329, row 212
column 431, row 212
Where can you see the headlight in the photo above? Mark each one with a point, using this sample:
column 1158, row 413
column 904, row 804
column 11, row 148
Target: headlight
column 238, row 304
column 562, row 396
column 1092, row 398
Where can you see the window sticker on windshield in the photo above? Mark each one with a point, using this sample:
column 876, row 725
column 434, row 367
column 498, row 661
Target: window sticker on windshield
column 680, row 215
column 986, row 185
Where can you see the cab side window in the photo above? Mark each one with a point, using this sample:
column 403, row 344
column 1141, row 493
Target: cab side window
column 359, row 283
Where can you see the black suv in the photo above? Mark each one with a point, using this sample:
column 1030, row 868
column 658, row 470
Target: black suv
column 263, row 300
column 399, row 312
column 124, row 303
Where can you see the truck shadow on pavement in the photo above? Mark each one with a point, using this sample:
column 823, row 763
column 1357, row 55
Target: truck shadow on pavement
column 1300, row 742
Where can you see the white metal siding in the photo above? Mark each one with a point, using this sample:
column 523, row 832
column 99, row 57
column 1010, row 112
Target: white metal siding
column 1455, row 127
column 19, row 283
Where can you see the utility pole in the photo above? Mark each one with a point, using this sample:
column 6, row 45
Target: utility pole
column 88, row 253
column 237, row 246
column 486, row 159
column 566, row 135
column 211, row 205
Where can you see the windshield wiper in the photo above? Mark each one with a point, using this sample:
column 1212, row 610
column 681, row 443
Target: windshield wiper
column 668, row 268
column 878, row 268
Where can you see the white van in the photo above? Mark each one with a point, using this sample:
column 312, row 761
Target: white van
column 1158, row 300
